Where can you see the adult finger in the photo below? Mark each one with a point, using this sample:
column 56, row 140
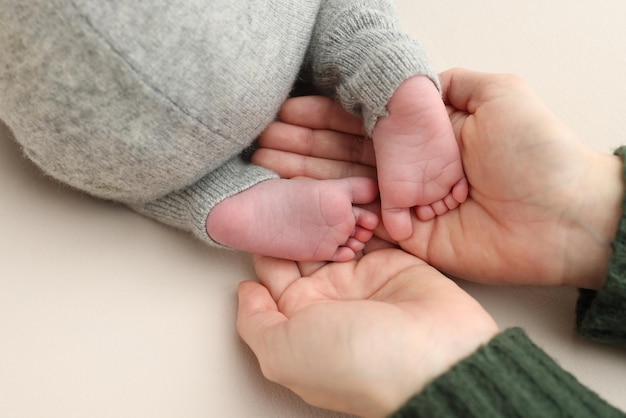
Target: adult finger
column 318, row 143
column 289, row 165
column 318, row 112
column 461, row 87
column 457, row 119
column 465, row 90
column 377, row 244
column 308, row 268
column 276, row 274
column 256, row 314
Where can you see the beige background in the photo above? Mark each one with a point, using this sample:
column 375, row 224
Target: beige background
column 106, row 314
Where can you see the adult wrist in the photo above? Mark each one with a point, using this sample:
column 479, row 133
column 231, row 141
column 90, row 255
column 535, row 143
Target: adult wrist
column 595, row 221
column 597, row 313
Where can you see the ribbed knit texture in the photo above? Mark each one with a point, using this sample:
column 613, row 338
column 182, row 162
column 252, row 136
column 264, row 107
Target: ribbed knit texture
column 188, row 208
column 509, row 377
column 601, row 315
column 150, row 103
column 356, row 46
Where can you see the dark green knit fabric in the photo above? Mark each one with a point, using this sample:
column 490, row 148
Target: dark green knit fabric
column 601, row 315
column 509, row 377
column 512, row 377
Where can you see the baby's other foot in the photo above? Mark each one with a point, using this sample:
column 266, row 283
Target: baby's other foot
column 452, row 201
column 418, row 159
column 303, row 220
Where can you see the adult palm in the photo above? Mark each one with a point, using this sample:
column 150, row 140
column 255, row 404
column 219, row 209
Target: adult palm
column 543, row 208
column 362, row 336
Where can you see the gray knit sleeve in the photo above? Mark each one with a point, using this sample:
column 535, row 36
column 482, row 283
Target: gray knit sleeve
column 187, row 209
column 359, row 54
column 88, row 104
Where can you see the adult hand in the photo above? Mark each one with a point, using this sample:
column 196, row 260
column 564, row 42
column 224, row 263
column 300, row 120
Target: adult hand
column 359, row 337
column 543, row 208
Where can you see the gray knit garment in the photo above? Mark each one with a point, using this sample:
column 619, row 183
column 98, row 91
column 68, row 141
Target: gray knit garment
column 151, row 103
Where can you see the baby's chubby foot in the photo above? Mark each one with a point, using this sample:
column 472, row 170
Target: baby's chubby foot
column 302, row 220
column 418, row 159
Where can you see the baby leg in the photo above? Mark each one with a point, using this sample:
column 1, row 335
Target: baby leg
column 418, row 158
column 303, row 220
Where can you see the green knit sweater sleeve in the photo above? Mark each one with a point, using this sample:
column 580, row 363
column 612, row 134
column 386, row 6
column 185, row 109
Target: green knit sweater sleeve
column 509, row 377
column 601, row 315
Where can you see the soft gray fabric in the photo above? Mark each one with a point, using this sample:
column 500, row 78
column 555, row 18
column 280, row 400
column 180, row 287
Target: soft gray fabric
column 360, row 54
column 150, row 103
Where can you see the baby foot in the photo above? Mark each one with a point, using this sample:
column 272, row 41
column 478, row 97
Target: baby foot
column 302, row 220
column 457, row 196
column 417, row 156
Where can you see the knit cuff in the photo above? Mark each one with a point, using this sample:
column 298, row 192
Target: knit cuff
column 510, row 376
column 381, row 72
column 188, row 209
column 361, row 56
column 600, row 315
